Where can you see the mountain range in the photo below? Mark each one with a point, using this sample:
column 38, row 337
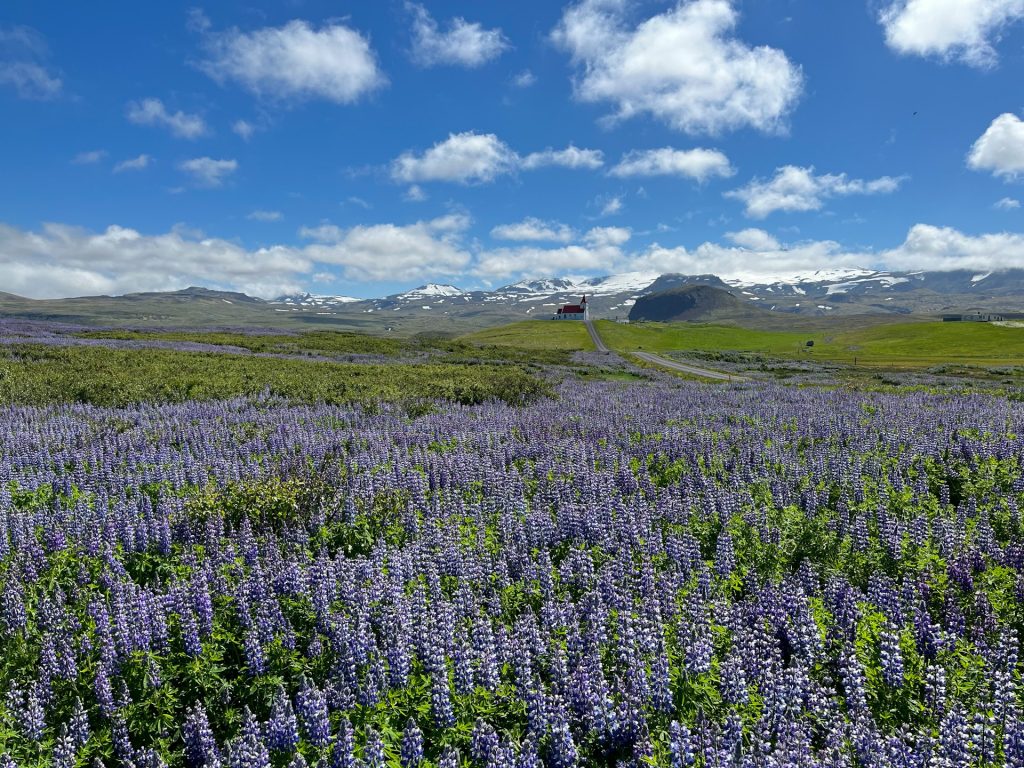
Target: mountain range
column 447, row 308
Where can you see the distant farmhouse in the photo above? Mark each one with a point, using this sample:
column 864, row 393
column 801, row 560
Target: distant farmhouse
column 573, row 311
column 974, row 317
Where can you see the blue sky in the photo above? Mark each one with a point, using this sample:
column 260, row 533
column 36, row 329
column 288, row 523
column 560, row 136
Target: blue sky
column 363, row 148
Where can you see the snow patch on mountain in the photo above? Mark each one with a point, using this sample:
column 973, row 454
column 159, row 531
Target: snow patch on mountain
column 432, row 289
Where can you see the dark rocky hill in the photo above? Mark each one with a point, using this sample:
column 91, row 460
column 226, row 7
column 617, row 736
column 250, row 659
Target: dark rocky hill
column 691, row 303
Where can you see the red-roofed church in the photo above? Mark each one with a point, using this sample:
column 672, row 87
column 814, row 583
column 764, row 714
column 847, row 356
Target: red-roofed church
column 573, row 311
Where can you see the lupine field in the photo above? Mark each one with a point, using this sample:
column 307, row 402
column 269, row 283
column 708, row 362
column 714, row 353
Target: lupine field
column 664, row 573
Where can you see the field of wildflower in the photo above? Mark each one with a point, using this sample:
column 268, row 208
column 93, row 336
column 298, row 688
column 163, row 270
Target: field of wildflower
column 656, row 573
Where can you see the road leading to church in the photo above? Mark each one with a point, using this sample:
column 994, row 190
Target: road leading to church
column 693, row 370
column 596, row 338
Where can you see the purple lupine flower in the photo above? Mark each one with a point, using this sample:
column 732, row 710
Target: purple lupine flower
column 373, row 752
column 891, row 656
column 312, row 709
column 79, row 724
column 65, row 750
column 247, row 750
column 562, row 748
column 200, row 746
column 282, row 730
column 449, row 759
column 681, row 751
column 484, row 742
column 343, row 755
column 412, row 745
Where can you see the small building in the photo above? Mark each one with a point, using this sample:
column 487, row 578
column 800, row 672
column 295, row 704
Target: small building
column 573, row 311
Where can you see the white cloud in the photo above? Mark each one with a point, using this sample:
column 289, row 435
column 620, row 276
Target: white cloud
column 208, row 172
column 23, row 55
column 945, row 248
column 570, row 157
column 683, row 66
column 612, row 206
column 533, row 229
column 950, row 29
column 383, row 251
column 133, row 164
column 414, row 194
column 754, row 240
column 1001, row 148
column 265, row 216
column 798, row 189
column 524, row 79
column 153, row 112
column 466, row 158
column 295, row 62
column 480, row 158
column 244, row 128
column 744, row 262
column 465, row 44
column 699, row 164
column 61, row 260
column 89, row 158
column 600, row 252
column 1007, row 204
column 353, row 200
column 600, row 237
column 762, row 257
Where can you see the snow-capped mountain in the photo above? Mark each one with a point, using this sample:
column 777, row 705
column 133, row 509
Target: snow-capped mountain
column 309, row 300
column 839, row 291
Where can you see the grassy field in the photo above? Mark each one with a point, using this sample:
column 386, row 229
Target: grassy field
column 537, row 335
column 894, row 345
column 37, row 375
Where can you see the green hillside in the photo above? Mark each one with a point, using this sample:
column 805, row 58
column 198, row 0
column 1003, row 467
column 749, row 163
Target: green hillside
column 897, row 345
column 909, row 344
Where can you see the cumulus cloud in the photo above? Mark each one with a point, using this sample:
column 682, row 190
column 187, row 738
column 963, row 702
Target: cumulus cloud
column 570, row 157
column 699, row 164
column 1001, row 148
column 754, row 240
column 265, row 216
column 382, row 251
column 465, row 158
column 153, row 112
column 208, row 172
column 746, row 263
column 534, row 229
column 684, row 66
column 61, row 260
column 295, row 62
column 464, row 44
column 962, row 30
column 798, row 189
column 756, row 255
column 23, row 64
column 480, row 158
column 133, row 164
column 945, row 248
column 600, row 237
column 92, row 157
column 599, row 251
column 1007, row 204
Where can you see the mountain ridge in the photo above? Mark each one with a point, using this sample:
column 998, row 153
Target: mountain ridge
column 822, row 293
